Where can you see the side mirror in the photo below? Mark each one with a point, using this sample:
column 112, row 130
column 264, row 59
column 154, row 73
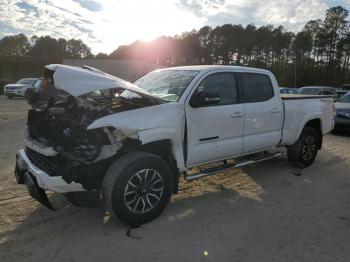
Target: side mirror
column 204, row 98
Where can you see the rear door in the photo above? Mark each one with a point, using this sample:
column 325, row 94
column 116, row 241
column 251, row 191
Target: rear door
column 215, row 132
column 263, row 112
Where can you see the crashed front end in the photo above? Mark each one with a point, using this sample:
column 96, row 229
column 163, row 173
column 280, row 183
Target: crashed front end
column 61, row 154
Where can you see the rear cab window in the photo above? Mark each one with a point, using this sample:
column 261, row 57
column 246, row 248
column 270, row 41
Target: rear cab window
column 256, row 87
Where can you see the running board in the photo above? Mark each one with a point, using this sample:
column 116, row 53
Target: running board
column 214, row 170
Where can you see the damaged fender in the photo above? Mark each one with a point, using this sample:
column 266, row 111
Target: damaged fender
column 150, row 124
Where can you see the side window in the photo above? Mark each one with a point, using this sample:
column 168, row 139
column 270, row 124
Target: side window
column 326, row 92
column 221, row 84
column 256, row 87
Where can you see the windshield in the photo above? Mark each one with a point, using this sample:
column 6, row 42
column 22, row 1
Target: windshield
column 167, row 85
column 345, row 98
column 25, row 81
column 308, row 91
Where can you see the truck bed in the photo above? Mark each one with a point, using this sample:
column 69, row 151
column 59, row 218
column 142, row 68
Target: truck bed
column 297, row 96
column 298, row 111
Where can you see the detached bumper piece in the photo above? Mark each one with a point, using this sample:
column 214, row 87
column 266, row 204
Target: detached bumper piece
column 24, row 175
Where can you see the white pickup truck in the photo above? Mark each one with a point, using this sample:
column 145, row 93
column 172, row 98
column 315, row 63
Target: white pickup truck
column 126, row 144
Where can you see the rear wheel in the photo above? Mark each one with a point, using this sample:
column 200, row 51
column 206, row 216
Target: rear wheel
column 137, row 187
column 304, row 151
column 84, row 198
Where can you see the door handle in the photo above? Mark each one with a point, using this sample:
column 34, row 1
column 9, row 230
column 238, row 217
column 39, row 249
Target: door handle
column 275, row 110
column 236, row 114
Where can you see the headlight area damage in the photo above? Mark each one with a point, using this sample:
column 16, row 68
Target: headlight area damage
column 58, row 140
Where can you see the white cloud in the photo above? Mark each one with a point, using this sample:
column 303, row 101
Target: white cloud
column 105, row 24
column 293, row 14
column 39, row 17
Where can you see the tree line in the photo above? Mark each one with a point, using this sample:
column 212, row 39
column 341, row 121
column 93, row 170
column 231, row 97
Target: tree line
column 43, row 47
column 319, row 54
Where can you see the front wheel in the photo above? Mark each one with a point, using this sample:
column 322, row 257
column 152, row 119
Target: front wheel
column 304, row 151
column 137, row 188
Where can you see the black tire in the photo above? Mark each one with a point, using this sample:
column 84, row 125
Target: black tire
column 84, row 198
column 31, row 96
column 9, row 96
column 303, row 152
column 133, row 177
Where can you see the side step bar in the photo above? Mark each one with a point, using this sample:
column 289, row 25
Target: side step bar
column 226, row 166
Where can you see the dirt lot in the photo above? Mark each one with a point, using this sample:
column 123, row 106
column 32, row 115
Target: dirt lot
column 267, row 212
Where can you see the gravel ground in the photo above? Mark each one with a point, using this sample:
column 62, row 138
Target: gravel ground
column 266, row 212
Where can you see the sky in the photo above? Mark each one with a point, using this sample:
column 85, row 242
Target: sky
column 106, row 24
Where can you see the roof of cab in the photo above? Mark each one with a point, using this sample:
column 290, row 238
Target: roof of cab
column 218, row 67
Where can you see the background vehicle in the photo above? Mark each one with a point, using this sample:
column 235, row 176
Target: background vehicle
column 32, row 93
column 288, row 90
column 343, row 89
column 341, row 92
column 133, row 143
column 318, row 90
column 19, row 88
column 342, row 110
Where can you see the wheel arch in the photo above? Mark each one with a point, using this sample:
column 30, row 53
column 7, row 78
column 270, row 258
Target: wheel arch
column 316, row 123
column 162, row 145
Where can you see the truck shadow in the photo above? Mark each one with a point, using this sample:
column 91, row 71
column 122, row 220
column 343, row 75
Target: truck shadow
column 342, row 133
column 201, row 206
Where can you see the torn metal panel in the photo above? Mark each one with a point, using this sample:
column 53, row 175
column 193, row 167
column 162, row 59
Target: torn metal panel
column 149, row 124
column 118, row 135
column 62, row 126
column 38, row 146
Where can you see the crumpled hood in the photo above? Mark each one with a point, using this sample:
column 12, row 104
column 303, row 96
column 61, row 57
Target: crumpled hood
column 79, row 81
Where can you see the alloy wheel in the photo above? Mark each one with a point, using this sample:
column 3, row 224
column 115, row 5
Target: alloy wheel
column 143, row 191
column 309, row 148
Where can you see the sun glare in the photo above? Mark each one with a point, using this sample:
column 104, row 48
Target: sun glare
column 125, row 22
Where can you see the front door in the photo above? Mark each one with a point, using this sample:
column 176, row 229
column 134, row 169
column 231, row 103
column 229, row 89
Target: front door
column 215, row 132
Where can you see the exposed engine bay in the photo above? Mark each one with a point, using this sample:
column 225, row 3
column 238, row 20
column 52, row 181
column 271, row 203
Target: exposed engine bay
column 61, row 125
